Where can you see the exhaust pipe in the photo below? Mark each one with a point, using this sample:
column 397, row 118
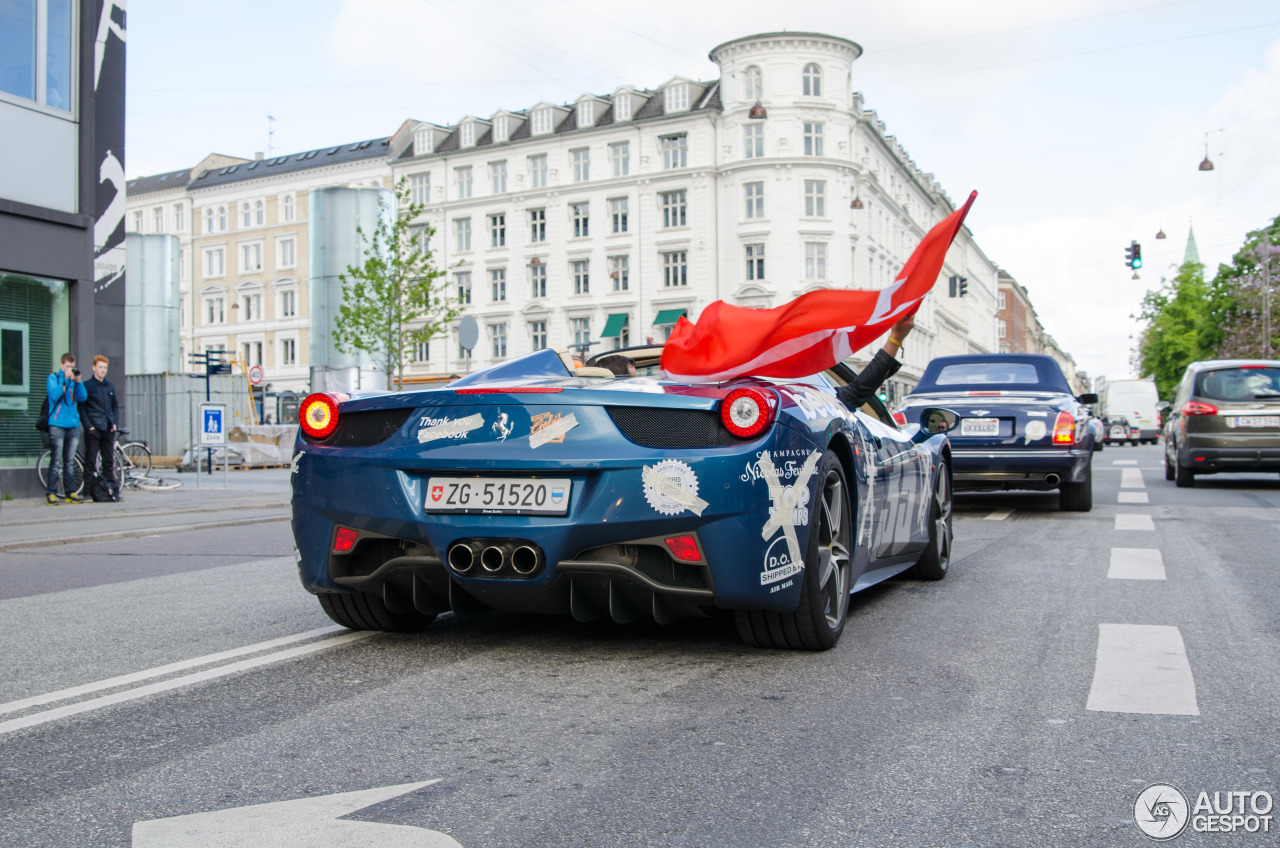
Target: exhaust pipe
column 462, row 557
column 494, row 557
column 524, row 560
column 1052, row 479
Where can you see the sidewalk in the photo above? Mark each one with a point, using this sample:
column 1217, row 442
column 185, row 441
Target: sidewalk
column 251, row 496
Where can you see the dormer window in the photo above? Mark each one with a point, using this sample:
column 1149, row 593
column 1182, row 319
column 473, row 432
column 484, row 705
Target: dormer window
column 752, row 84
column 542, row 121
column 422, row 142
column 586, row 113
column 812, row 81
column 500, row 130
column 676, row 98
column 468, row 134
column 622, row 107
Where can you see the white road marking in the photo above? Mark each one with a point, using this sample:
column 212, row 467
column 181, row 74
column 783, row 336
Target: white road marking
column 1133, row 497
column 1134, row 521
column 998, row 515
column 1124, row 462
column 1136, row 564
column 1131, row 478
column 177, row 682
column 1142, row 669
column 311, row 822
column 162, row 670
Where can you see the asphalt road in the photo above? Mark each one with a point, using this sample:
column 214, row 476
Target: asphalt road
column 1060, row 669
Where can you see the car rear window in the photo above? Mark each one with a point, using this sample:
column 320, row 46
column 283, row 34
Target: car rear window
column 1238, row 384
column 984, row 373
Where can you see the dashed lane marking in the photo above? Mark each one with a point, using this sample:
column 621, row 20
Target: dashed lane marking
column 1136, row 564
column 1134, row 521
column 1124, row 462
column 1131, row 478
column 998, row 515
column 1133, row 498
column 1143, row 669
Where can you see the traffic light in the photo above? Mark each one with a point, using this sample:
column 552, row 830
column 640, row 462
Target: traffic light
column 957, row 286
column 1133, row 255
column 884, row 394
column 964, row 286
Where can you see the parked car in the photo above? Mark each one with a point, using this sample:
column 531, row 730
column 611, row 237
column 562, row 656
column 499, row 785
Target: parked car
column 1099, row 429
column 1225, row 416
column 1020, row 426
column 1136, row 402
column 1120, row 431
column 537, row 486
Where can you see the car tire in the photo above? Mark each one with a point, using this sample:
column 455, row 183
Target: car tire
column 936, row 559
column 827, row 579
column 361, row 611
column 1077, row 497
column 1183, row 477
column 1169, row 472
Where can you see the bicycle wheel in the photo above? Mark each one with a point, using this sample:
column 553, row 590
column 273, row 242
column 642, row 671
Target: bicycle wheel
column 42, row 471
column 139, row 456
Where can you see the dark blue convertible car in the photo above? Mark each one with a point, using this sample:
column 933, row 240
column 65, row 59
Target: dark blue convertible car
column 1020, row 426
column 541, row 487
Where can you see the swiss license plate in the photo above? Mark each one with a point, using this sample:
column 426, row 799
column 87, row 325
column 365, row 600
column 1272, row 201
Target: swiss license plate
column 498, row 495
column 1256, row 421
column 980, row 426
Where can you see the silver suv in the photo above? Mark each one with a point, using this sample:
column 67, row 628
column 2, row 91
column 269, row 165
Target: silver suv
column 1225, row 417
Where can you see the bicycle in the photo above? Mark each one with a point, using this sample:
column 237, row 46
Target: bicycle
column 132, row 461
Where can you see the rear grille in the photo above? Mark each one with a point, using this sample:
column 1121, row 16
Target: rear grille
column 672, row 428
column 364, row 429
column 652, row 562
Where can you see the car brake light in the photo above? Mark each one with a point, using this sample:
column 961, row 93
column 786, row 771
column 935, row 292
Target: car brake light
column 1064, row 429
column 1197, row 407
column 318, row 415
column 747, row 413
column 900, row 419
column 344, row 540
column 985, row 394
column 512, row 390
column 684, row 548
column 1251, row 367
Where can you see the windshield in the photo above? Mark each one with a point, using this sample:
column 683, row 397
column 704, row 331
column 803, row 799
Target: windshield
column 1238, row 384
column 975, row 373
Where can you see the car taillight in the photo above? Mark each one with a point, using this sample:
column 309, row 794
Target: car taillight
column 1197, row 407
column 344, row 540
column 900, row 419
column 1064, row 429
column 985, row 394
column 684, row 548
column 318, row 415
column 747, row 413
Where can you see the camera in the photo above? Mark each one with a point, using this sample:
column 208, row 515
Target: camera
column 75, row 372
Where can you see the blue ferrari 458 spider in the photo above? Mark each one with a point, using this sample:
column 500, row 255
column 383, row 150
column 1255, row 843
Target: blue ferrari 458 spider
column 540, row 487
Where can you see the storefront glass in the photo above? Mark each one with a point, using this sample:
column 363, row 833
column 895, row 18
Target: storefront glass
column 34, row 333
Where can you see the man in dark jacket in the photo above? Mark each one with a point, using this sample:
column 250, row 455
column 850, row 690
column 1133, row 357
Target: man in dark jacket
column 881, row 367
column 101, row 416
column 65, row 392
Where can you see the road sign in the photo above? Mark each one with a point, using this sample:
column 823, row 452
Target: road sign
column 213, row 424
column 255, row 374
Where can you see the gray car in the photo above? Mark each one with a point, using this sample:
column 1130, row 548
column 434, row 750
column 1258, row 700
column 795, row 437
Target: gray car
column 1225, row 417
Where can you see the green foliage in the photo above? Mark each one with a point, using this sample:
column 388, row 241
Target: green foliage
column 1177, row 324
column 1237, row 297
column 396, row 298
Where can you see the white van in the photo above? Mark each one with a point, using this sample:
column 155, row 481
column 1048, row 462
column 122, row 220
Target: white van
column 1135, row 400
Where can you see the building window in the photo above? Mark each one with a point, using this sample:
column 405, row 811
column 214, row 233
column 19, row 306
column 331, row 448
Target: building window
column 420, row 239
column 246, row 216
column 422, row 141
column 252, row 306
column 251, row 352
column 214, row 310
column 812, row 139
column 579, row 269
column 464, row 355
column 157, row 218
column 538, row 170
column 538, row 334
column 288, row 303
column 618, row 214
column 497, row 230
column 250, row 258
column 288, row 351
column 752, row 84
column 498, row 284
column 1001, row 328
column 498, row 176
column 755, row 261
column 537, row 225
column 462, row 229
column 812, row 81
column 500, row 125
column 538, row 280
column 1001, row 303
column 179, row 217
column 420, row 352
column 222, row 219
column 815, row 198
column 463, row 175
column 581, row 164
column 260, row 212
column 286, row 253
column 815, row 260
column 754, row 194
column 586, row 113
column 26, row 61
column 498, row 335
column 464, row 286
column 675, row 151
column 676, row 98
column 209, row 220
column 581, row 219
column 675, row 269
column 137, row 220
column 420, row 189
column 753, row 141
column 623, row 339
column 674, row 208
column 622, row 108
column 468, row 134
column 581, row 331
column 620, row 273
column 620, row 158
column 542, row 121
column 215, row 262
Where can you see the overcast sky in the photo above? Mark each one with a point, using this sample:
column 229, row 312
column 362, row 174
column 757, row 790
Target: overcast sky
column 1079, row 122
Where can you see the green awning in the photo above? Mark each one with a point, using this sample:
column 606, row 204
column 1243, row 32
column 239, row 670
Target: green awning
column 668, row 316
column 613, row 327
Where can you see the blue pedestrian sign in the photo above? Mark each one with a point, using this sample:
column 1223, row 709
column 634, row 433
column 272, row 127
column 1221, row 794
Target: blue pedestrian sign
column 213, row 424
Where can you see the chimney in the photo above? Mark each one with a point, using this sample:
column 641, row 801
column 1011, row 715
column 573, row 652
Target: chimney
column 257, row 157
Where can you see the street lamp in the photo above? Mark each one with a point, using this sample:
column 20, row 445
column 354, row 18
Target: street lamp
column 1205, row 164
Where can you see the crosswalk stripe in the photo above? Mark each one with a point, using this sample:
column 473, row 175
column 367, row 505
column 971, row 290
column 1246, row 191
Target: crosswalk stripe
column 1134, row 521
column 1131, row 478
column 998, row 515
column 1136, row 564
column 1133, row 497
column 1143, row 669
column 1124, row 462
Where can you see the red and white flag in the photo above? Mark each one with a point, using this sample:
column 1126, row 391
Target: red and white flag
column 812, row 332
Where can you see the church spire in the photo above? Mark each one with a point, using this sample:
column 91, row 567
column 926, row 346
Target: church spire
column 1193, row 253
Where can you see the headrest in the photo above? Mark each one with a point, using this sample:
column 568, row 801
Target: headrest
column 592, row 371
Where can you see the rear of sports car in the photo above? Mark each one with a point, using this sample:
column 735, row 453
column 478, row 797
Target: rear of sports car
column 596, row 498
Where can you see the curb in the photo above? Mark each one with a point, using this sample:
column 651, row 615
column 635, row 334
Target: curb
column 141, row 531
column 143, row 513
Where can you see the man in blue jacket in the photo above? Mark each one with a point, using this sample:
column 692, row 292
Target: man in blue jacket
column 65, row 392
column 101, row 415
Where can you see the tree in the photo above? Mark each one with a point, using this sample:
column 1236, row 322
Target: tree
column 395, row 299
column 1237, row 300
column 1178, row 321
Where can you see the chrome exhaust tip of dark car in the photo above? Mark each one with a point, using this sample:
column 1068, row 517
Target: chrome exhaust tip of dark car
column 494, row 557
column 1052, row 479
column 462, row 557
column 524, row 560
